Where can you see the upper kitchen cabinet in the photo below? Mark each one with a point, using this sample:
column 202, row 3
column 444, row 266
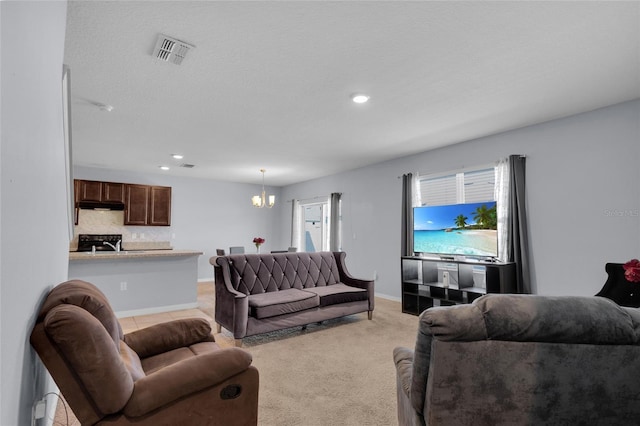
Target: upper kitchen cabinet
column 113, row 192
column 147, row 205
column 99, row 192
column 160, row 206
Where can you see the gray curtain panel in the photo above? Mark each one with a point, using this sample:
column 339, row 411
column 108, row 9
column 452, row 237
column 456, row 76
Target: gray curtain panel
column 334, row 237
column 517, row 226
column 406, row 248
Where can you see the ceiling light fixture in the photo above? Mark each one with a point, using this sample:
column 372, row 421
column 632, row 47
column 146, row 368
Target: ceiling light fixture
column 177, row 156
column 360, row 98
column 260, row 201
column 164, row 167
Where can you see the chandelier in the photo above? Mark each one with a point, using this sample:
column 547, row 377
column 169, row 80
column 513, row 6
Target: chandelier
column 260, row 201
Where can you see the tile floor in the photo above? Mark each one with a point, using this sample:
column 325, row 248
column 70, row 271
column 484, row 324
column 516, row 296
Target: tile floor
column 129, row 324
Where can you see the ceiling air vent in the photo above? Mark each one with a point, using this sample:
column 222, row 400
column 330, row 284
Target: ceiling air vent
column 169, row 49
column 187, row 166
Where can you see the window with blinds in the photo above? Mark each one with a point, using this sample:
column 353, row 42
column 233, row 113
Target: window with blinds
column 474, row 186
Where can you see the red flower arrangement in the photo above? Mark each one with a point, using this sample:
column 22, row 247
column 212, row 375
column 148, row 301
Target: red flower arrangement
column 632, row 270
column 258, row 241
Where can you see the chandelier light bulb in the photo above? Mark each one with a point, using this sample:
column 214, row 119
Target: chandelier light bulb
column 262, row 200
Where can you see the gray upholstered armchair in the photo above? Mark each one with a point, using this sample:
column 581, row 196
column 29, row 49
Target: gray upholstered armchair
column 522, row 360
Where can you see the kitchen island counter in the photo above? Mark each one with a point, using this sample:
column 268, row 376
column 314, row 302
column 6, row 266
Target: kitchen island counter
column 140, row 282
column 129, row 254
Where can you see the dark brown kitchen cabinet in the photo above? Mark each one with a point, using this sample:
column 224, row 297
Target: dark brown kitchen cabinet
column 89, row 190
column 160, row 206
column 76, row 195
column 113, row 192
column 147, row 205
column 136, row 208
column 99, row 192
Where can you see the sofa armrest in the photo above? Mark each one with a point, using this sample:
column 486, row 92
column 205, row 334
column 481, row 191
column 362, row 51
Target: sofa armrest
column 232, row 306
column 167, row 336
column 185, row 378
column 221, row 267
column 348, row 279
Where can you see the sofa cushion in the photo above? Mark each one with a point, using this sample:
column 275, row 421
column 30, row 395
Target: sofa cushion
column 280, row 302
column 158, row 362
column 338, row 293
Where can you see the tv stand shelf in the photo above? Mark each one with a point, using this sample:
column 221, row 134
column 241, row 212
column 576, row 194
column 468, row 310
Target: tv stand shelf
column 424, row 281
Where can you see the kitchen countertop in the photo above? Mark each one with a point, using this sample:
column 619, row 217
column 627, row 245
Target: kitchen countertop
column 130, row 254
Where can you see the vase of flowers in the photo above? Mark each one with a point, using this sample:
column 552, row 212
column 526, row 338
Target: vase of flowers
column 632, row 270
column 258, row 241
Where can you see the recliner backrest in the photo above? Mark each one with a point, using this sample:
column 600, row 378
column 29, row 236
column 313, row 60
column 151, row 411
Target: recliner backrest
column 89, row 298
column 79, row 340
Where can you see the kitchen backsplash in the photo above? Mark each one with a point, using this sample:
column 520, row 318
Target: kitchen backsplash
column 112, row 222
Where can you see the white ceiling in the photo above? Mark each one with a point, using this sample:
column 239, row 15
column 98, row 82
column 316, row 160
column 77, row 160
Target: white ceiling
column 268, row 84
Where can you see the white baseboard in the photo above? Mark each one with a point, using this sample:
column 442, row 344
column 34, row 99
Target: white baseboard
column 385, row 296
column 155, row 310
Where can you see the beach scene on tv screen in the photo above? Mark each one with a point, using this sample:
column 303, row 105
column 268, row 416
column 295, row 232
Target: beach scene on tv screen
column 464, row 229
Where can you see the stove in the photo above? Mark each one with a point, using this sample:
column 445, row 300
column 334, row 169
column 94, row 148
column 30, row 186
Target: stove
column 86, row 242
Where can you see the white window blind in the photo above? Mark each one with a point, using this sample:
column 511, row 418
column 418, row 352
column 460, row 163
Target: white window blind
column 465, row 187
column 438, row 191
column 479, row 186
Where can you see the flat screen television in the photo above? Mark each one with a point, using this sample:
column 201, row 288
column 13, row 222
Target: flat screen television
column 456, row 229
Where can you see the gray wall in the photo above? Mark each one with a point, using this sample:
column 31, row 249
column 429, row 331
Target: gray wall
column 206, row 214
column 583, row 199
column 33, row 204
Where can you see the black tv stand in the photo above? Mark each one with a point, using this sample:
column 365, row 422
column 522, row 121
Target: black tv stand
column 424, row 284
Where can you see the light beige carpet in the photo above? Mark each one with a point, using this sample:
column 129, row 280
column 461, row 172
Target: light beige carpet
column 337, row 373
column 340, row 372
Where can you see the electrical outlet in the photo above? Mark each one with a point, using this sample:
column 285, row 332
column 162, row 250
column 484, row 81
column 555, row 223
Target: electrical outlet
column 123, row 286
column 40, row 409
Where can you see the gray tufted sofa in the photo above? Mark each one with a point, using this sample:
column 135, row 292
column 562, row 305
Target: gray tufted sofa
column 522, row 360
column 258, row 293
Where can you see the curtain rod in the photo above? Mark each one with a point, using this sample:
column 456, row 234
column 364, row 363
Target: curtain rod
column 463, row 168
column 309, row 198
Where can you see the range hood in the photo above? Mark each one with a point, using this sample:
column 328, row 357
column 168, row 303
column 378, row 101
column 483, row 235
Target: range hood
column 95, row 205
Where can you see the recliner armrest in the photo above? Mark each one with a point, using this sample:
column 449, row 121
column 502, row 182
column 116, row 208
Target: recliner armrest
column 403, row 359
column 167, row 336
column 184, row 378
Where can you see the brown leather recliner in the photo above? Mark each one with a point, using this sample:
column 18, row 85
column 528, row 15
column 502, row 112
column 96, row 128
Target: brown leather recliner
column 167, row 374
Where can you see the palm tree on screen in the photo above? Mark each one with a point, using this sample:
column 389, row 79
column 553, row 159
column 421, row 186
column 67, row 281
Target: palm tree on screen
column 461, row 221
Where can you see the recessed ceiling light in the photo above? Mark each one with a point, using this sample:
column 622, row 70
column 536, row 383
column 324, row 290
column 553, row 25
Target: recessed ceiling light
column 164, row 167
column 360, row 98
column 177, row 156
